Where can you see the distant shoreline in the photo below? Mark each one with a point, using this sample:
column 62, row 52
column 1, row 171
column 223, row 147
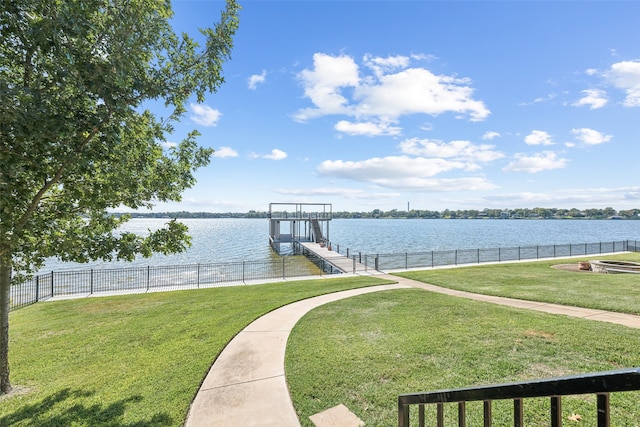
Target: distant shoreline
column 633, row 214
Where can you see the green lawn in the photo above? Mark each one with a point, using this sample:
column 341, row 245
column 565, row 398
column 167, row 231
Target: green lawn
column 138, row 360
column 134, row 360
column 365, row 351
column 537, row 281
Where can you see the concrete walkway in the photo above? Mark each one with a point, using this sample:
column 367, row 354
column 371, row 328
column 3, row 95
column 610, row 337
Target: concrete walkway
column 246, row 386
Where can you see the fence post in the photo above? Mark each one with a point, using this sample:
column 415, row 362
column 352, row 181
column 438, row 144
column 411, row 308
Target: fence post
column 431, row 259
column 478, row 255
column 518, row 253
column 37, row 287
column 52, row 284
column 456, row 258
column 242, row 271
column 354, row 263
column 499, row 254
column 376, row 262
column 148, row 277
column 91, row 283
column 406, row 260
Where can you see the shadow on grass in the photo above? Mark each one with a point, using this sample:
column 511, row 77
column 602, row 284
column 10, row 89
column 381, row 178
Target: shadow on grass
column 44, row 413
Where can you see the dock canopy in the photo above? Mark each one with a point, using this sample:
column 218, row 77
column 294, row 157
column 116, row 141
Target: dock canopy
column 298, row 222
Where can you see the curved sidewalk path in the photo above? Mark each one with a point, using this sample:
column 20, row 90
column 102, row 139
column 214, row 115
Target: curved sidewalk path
column 246, row 386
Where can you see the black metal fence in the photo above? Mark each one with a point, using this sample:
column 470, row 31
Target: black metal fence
column 600, row 383
column 153, row 278
column 145, row 279
column 411, row 260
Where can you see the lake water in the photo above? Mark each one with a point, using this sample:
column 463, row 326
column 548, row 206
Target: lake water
column 225, row 240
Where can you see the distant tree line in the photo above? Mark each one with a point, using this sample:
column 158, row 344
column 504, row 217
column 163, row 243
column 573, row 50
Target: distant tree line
column 522, row 213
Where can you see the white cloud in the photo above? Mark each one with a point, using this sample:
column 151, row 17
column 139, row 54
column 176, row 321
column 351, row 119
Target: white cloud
column 538, row 137
column 168, row 144
column 205, row 115
column 549, row 97
column 256, row 79
column 438, row 185
column 490, row 135
column 545, row 160
column 322, row 85
column 349, row 193
column 275, row 155
column 590, row 137
column 540, row 99
column 367, row 128
column 570, row 197
column 380, row 169
column 337, row 86
column 223, row 152
column 418, row 91
column 381, row 66
column 625, row 75
column 423, row 57
column 594, row 98
column 404, row 173
column 457, row 150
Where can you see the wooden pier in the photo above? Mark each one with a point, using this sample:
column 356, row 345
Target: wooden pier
column 339, row 261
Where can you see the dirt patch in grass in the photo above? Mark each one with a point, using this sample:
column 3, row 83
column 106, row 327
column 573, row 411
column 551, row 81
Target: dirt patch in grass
column 16, row 390
column 571, row 267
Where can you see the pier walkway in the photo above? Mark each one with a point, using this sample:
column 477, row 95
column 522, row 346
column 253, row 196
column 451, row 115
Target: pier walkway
column 339, row 261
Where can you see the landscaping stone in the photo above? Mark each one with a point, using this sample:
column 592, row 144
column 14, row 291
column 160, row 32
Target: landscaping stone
column 338, row 416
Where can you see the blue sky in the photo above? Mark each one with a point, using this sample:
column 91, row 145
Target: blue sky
column 440, row 104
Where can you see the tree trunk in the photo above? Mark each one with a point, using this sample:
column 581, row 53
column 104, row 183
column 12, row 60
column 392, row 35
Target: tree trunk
column 5, row 287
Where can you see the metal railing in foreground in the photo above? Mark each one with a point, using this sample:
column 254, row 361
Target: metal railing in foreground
column 599, row 383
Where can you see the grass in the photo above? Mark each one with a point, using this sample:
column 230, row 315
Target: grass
column 366, row 350
column 537, row 281
column 134, row 360
column 138, row 360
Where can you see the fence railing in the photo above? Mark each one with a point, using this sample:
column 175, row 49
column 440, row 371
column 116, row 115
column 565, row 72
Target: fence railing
column 411, row 260
column 150, row 278
column 599, row 383
column 145, row 279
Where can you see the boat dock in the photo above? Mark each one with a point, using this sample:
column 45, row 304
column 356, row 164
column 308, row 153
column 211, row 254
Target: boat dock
column 290, row 223
column 304, row 228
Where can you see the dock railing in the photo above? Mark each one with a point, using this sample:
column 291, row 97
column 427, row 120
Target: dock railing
column 600, row 383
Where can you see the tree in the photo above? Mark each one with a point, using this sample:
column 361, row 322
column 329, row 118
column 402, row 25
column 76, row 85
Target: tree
column 75, row 137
